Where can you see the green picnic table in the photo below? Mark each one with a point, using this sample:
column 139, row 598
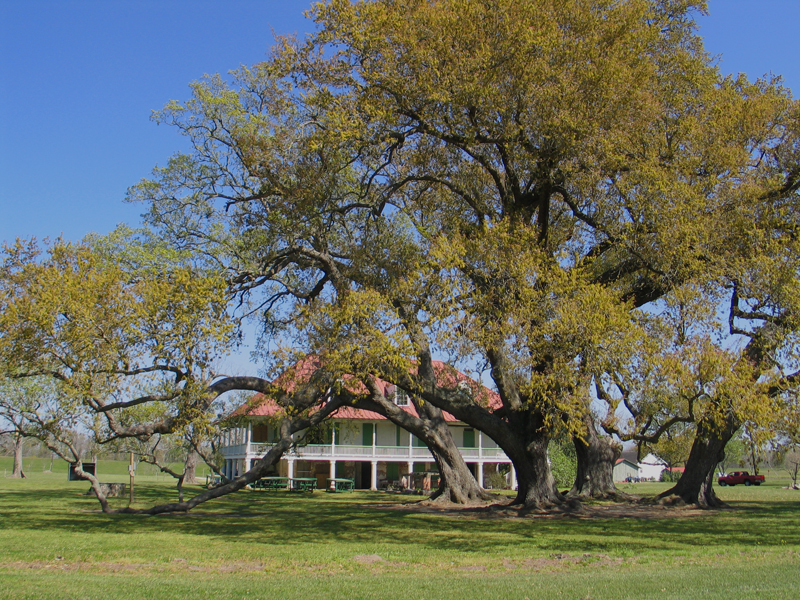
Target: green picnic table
column 302, row 484
column 272, row 483
column 337, row 484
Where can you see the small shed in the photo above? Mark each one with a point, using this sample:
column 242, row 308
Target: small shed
column 88, row 467
column 624, row 469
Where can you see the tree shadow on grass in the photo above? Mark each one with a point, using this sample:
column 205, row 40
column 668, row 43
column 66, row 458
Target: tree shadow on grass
column 293, row 519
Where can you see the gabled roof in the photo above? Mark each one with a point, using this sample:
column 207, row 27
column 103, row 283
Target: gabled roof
column 652, row 460
column 263, row 406
column 627, row 462
column 631, row 454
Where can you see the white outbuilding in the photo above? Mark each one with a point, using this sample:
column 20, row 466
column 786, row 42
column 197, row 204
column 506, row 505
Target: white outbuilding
column 650, row 468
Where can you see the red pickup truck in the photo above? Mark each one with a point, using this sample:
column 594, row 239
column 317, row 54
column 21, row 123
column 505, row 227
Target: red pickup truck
column 740, row 477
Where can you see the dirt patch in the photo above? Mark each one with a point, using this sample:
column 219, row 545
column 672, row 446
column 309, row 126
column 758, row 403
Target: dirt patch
column 368, row 559
column 555, row 561
column 177, row 564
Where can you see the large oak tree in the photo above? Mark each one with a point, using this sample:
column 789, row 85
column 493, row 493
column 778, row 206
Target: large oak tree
column 501, row 181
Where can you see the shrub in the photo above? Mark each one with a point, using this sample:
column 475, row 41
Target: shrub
column 668, row 476
column 497, row 481
column 563, row 462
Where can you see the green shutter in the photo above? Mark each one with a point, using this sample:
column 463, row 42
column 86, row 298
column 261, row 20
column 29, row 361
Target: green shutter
column 469, row 438
column 397, row 430
column 392, row 471
column 366, row 439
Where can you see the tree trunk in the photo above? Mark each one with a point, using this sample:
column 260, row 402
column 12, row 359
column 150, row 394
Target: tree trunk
column 522, row 435
column 696, row 485
column 95, row 483
column 17, row 471
column 596, row 456
column 456, row 483
column 190, row 467
column 536, row 487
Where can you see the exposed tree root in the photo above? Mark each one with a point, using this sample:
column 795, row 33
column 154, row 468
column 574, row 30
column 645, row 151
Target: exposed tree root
column 473, row 495
column 613, row 495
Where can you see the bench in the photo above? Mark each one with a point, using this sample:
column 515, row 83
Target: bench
column 338, row 484
column 271, row 484
column 302, row 484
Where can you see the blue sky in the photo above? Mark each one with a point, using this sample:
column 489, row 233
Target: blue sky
column 79, row 79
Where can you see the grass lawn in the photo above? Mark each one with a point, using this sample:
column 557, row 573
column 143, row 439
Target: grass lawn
column 55, row 544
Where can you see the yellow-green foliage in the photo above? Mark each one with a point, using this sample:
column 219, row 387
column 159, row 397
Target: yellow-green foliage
column 107, row 334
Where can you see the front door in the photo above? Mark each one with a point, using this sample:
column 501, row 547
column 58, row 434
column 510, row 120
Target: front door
column 366, row 476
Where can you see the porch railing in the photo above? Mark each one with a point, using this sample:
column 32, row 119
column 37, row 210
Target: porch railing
column 348, row 452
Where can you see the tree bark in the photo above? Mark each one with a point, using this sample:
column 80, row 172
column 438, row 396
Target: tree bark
column 596, row 456
column 456, row 483
column 696, row 485
column 536, row 487
column 190, row 467
column 521, row 434
column 17, row 471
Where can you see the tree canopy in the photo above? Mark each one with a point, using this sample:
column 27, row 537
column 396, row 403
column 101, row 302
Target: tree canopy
column 540, row 189
column 505, row 182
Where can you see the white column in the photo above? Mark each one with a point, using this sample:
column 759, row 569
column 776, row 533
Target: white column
column 333, row 442
column 247, row 464
column 248, row 438
column 480, row 474
column 374, row 439
column 333, row 469
column 373, row 485
column 290, row 471
column 513, row 474
column 410, row 445
column 480, row 448
column 410, row 474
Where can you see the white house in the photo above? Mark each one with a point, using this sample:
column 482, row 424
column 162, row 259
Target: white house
column 650, row 467
column 361, row 445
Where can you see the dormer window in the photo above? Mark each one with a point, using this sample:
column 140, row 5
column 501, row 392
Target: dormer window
column 400, row 397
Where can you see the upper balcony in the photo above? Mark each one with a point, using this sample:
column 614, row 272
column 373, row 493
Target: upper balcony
column 360, row 453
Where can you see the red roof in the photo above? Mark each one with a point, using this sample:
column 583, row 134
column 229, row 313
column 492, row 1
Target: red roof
column 263, row 406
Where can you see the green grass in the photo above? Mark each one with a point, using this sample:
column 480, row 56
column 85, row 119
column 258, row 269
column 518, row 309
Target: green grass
column 55, row 544
column 109, row 470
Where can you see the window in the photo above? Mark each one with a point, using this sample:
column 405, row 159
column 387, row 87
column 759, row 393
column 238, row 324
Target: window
column 366, row 434
column 400, row 397
column 469, row 438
